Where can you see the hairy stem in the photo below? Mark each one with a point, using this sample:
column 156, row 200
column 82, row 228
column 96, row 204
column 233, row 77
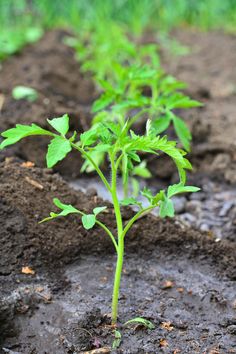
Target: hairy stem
column 120, row 250
column 116, row 287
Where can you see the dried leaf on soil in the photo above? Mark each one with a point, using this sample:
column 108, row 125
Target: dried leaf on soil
column 163, row 342
column 167, row 284
column 27, row 270
column 28, row 164
column 2, row 99
column 104, row 350
column 167, row 326
column 34, row 183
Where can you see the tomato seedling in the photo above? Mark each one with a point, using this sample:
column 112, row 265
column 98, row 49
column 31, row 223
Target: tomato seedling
column 119, row 144
column 133, row 87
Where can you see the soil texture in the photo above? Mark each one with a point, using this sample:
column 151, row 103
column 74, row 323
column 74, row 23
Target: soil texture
column 49, row 67
column 56, row 277
column 174, row 276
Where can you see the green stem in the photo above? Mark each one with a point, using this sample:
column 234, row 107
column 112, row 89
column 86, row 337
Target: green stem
column 109, row 233
column 101, row 175
column 120, row 250
column 115, row 197
column 126, row 188
column 136, row 117
column 116, row 287
column 103, row 226
column 136, row 217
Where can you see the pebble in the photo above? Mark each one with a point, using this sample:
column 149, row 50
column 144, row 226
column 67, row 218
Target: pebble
column 231, row 329
column 179, row 204
column 226, row 208
column 91, row 192
column 198, row 196
column 189, row 218
column 194, row 206
column 204, row 227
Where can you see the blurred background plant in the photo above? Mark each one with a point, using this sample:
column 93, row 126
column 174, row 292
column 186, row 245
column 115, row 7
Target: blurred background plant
column 22, row 21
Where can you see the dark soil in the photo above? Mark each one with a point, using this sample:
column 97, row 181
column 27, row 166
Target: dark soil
column 49, row 67
column 209, row 71
column 51, row 311
column 181, row 279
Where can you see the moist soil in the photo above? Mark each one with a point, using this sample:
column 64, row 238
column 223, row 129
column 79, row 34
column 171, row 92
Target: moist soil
column 49, row 66
column 180, row 279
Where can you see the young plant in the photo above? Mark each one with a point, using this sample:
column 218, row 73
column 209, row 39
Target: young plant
column 119, row 144
column 133, row 86
column 12, row 40
column 24, row 93
column 125, row 102
column 128, row 98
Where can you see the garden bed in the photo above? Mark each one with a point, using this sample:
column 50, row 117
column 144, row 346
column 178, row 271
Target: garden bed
column 172, row 275
column 179, row 277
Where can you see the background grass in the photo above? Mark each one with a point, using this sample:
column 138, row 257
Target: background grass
column 162, row 14
column 22, row 21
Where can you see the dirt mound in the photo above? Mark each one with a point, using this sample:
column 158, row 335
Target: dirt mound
column 209, row 71
column 50, row 68
column 26, row 197
column 62, row 254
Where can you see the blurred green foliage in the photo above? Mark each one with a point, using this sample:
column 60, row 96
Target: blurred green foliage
column 22, row 21
column 137, row 14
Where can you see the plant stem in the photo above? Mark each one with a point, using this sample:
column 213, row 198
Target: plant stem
column 120, row 250
column 126, row 188
column 119, row 263
column 136, row 117
column 116, row 288
column 136, row 217
column 101, row 175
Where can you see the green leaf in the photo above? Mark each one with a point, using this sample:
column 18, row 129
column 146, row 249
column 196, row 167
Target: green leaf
column 102, row 148
column 61, row 124
column 97, row 157
column 146, row 323
column 33, row 34
column 21, row 131
column 102, row 102
column 161, row 124
column 101, row 117
column 179, row 100
column 141, row 170
column 116, row 342
column 180, row 188
column 130, row 201
column 135, row 186
column 182, row 132
column 88, row 221
column 146, row 192
column 167, row 208
column 125, row 173
column 24, row 92
column 160, row 196
column 66, row 210
column 187, row 103
column 89, row 137
column 98, row 210
column 58, row 148
column 134, row 156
